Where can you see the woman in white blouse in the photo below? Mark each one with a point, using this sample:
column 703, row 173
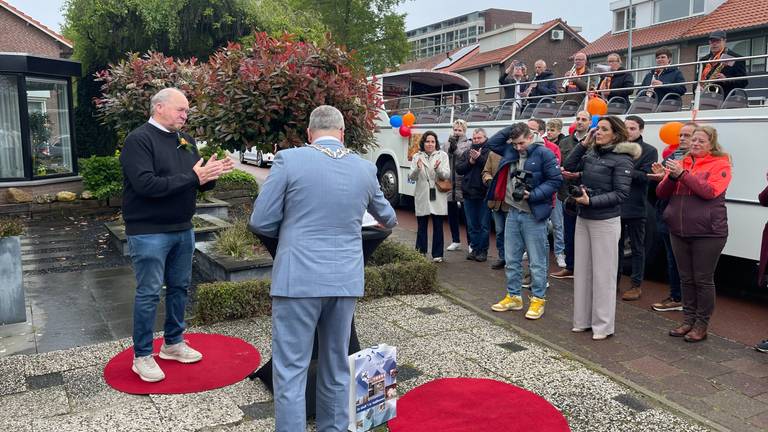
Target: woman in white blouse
column 429, row 165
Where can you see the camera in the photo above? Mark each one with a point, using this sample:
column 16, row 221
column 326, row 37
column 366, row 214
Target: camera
column 521, row 186
column 576, row 191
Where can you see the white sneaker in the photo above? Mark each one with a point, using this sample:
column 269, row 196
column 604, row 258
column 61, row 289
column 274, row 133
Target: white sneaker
column 181, row 352
column 147, row 369
column 437, row 259
column 560, row 260
column 454, row 247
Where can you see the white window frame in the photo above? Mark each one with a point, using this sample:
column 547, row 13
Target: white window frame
column 690, row 12
column 627, row 18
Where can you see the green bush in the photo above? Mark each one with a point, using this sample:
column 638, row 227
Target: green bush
column 102, row 175
column 395, row 269
column 221, row 301
column 11, row 227
column 238, row 179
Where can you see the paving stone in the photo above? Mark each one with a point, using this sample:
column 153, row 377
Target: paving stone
column 743, row 383
column 38, row 404
column 245, row 392
column 760, row 420
column 736, row 403
column 652, row 367
column 259, row 410
column 702, row 367
column 138, row 416
column 12, row 374
column 747, row 366
column 8, row 423
column 688, row 384
column 190, row 412
column 38, row 382
column 87, row 390
column 75, row 358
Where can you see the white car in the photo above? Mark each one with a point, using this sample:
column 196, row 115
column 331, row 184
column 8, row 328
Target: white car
column 256, row 156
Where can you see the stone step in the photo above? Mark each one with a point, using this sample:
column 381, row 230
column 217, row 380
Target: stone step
column 68, row 254
column 67, row 265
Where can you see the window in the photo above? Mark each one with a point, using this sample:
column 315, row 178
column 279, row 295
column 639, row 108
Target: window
column 49, row 127
column 622, row 20
column 11, row 156
column 744, row 47
column 668, row 10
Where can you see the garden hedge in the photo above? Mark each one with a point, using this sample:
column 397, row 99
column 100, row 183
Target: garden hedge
column 394, row 269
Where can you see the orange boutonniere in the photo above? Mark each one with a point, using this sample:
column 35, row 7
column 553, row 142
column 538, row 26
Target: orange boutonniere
column 183, row 143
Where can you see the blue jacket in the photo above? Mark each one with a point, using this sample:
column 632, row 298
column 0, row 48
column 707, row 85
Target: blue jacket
column 670, row 75
column 315, row 203
column 541, row 162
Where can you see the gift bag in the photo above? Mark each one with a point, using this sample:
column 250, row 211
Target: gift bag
column 373, row 387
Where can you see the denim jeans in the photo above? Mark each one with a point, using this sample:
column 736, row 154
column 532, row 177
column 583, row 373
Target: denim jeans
column 557, row 227
column 437, row 235
column 634, row 228
column 499, row 220
column 524, row 233
column 478, row 217
column 569, row 233
column 164, row 258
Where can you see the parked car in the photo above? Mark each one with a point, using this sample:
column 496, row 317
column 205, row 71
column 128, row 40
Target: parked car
column 258, row 157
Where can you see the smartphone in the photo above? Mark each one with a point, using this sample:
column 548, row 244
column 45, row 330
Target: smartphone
column 476, row 146
column 432, row 194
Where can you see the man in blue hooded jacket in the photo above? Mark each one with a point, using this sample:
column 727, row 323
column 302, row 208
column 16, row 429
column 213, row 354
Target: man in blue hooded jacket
column 527, row 180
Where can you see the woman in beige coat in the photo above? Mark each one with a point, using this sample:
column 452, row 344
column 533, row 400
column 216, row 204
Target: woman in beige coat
column 427, row 166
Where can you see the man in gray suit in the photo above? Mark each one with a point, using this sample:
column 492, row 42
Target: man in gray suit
column 314, row 199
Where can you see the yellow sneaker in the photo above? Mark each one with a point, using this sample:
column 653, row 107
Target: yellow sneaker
column 536, row 308
column 508, row 303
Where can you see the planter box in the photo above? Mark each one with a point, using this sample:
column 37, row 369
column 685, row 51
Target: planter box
column 12, row 306
column 214, row 207
column 226, row 268
column 120, row 240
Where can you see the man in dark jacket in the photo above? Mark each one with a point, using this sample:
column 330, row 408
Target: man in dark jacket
column 527, row 180
column 633, row 208
column 512, row 79
column 470, row 165
column 658, row 80
column 725, row 68
column 611, row 86
column 539, row 88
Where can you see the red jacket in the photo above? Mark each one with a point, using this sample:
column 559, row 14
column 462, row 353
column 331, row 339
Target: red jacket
column 697, row 197
column 555, row 149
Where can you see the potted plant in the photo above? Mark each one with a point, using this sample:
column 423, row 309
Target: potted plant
column 12, row 305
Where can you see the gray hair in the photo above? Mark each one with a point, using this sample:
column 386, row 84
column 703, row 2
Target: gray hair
column 480, row 130
column 326, row 117
column 162, row 97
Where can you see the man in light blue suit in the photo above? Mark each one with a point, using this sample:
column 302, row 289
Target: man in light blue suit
column 314, row 200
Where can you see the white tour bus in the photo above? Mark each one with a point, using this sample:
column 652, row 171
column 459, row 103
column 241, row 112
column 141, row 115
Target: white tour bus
column 437, row 98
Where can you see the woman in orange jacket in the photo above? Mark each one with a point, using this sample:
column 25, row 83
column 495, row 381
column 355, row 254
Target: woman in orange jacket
column 698, row 224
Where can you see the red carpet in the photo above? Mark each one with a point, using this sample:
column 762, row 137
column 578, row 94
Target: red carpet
column 226, row 360
column 474, row 404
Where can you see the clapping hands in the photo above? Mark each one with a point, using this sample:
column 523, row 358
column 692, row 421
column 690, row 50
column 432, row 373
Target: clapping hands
column 213, row 169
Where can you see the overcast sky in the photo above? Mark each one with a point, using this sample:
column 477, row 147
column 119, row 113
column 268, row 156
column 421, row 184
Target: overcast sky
column 593, row 16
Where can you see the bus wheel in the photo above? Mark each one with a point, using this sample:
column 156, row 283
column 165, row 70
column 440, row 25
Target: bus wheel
column 389, row 183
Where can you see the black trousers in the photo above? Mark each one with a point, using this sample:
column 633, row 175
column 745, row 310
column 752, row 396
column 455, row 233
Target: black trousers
column 634, row 228
column 437, row 235
column 454, row 221
column 696, row 261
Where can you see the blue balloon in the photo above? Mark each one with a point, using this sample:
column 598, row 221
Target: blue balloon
column 595, row 119
column 396, row 121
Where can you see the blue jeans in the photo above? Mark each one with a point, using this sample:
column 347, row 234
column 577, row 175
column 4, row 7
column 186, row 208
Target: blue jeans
column 478, row 217
column 524, row 233
column 499, row 220
column 557, row 227
column 164, row 258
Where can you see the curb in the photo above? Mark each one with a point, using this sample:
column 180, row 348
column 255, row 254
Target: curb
column 659, row 399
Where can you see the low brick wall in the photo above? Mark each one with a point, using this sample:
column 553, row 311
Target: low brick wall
column 38, row 188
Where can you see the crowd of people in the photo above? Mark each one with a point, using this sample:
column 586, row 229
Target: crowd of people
column 592, row 187
column 522, row 88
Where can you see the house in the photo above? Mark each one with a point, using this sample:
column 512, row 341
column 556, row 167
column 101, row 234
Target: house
column 684, row 27
column 553, row 41
column 23, row 34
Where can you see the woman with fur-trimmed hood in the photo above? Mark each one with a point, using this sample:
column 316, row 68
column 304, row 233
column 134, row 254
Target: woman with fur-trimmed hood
column 603, row 163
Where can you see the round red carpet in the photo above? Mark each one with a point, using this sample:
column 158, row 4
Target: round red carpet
column 226, row 360
column 474, row 404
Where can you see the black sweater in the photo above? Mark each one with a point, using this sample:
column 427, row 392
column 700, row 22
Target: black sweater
column 159, row 185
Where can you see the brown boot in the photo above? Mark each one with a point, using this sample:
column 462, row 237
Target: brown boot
column 632, row 294
column 680, row 331
column 697, row 334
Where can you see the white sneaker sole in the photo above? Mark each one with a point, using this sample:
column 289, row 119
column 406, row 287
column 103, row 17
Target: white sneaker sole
column 146, row 379
column 505, row 309
column 533, row 317
column 165, row 356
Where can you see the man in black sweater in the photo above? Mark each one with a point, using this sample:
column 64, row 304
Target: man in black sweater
column 633, row 208
column 162, row 173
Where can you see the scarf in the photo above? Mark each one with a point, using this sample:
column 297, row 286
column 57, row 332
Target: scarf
column 605, row 84
column 577, row 72
column 708, row 67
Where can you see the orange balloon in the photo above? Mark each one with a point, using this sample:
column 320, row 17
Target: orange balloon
column 670, row 133
column 597, row 106
column 409, row 119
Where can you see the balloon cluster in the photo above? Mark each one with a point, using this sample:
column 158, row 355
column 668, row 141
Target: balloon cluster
column 403, row 123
